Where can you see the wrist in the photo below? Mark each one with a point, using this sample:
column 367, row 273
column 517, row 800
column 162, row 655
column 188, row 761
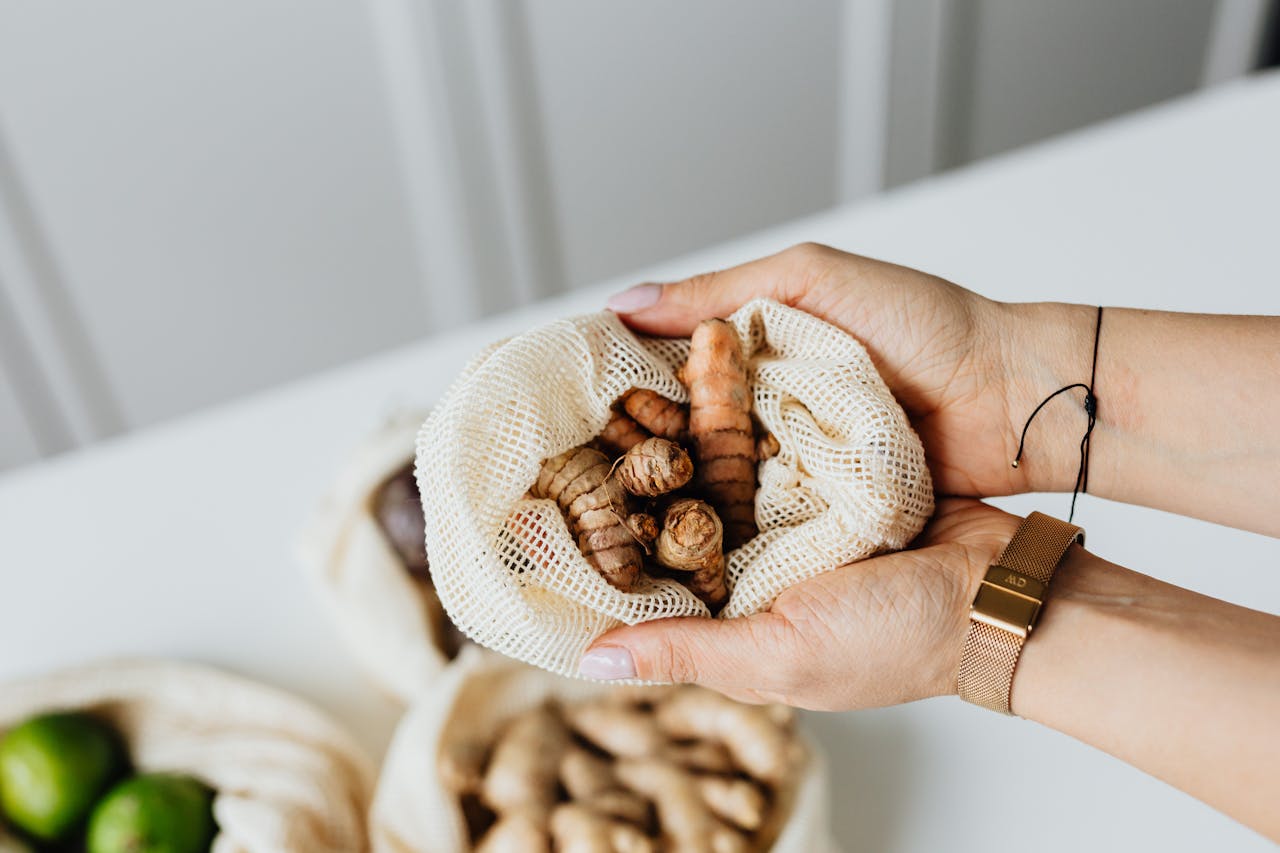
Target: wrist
column 1044, row 346
column 980, row 554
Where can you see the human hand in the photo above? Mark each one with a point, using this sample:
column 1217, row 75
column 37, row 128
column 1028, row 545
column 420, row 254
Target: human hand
column 967, row 370
column 879, row 632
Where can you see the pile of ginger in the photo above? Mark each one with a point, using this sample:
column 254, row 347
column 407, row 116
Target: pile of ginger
column 636, row 770
column 674, row 484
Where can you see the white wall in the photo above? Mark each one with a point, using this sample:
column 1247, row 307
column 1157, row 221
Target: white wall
column 215, row 185
column 17, row 442
column 672, row 124
column 1039, row 69
column 203, row 199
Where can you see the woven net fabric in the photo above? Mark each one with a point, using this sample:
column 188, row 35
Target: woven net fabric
column 287, row 779
column 849, row 480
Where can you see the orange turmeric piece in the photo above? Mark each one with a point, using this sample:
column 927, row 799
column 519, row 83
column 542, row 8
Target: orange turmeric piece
column 660, row 416
column 595, row 503
column 654, row 467
column 721, row 428
column 691, row 542
column 620, row 434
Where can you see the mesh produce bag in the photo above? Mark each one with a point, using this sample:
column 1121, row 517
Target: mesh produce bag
column 391, row 619
column 287, row 779
column 413, row 812
column 849, row 480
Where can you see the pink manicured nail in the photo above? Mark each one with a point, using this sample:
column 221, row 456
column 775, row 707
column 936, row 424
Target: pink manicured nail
column 636, row 298
column 607, row 663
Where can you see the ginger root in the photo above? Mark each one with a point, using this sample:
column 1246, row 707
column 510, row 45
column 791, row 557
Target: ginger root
column 662, row 417
column 691, row 540
column 617, row 729
column 621, row 434
column 629, row 771
column 596, row 505
column 721, row 428
column 621, row 804
column 461, row 766
column 525, row 765
column 701, row 756
column 630, row 839
column 585, row 774
column 578, row 829
column 756, row 742
column 516, row 832
column 686, row 821
column 736, row 800
column 654, row 467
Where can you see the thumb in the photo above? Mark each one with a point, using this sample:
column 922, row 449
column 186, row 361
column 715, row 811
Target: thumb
column 747, row 655
column 674, row 309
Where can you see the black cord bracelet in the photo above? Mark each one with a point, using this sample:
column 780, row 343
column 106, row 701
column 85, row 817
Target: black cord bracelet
column 1090, row 408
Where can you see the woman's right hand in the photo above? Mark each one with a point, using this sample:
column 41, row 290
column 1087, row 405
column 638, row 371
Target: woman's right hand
column 967, row 370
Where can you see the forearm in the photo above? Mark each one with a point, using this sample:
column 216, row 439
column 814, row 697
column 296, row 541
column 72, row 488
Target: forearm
column 1184, row 687
column 1188, row 408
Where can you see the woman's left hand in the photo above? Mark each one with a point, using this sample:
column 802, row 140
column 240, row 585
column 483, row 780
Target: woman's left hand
column 878, row 632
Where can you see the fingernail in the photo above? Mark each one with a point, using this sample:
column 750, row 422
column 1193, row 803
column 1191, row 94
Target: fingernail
column 607, row 663
column 634, row 299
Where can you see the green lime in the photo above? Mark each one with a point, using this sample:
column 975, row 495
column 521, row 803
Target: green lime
column 9, row 844
column 153, row 813
column 53, row 768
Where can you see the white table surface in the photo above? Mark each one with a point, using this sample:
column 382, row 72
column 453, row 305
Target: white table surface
column 177, row 541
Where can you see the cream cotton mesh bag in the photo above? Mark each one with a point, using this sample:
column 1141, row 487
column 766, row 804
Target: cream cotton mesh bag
column 391, row 619
column 849, row 480
column 414, row 812
column 286, row 778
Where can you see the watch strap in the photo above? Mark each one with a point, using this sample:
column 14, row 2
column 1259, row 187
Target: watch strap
column 990, row 653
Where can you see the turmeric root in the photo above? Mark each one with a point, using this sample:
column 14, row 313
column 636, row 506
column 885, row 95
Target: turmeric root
column 643, row 527
column 654, row 467
column 691, row 541
column 525, row 766
column 767, row 447
column 596, row 506
column 621, row 434
column 720, row 426
column 654, row 412
column 749, row 732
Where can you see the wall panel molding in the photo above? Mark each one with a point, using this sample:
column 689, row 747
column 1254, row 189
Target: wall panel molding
column 54, row 369
column 510, row 113
column 410, row 44
column 1234, row 40
column 461, row 89
column 920, row 48
column 865, row 72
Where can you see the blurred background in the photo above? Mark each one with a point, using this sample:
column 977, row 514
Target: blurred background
column 199, row 200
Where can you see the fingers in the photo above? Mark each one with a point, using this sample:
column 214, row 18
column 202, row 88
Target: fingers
column 674, row 309
column 968, row 521
column 745, row 656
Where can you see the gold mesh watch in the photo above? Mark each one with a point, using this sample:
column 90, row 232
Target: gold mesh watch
column 1006, row 606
